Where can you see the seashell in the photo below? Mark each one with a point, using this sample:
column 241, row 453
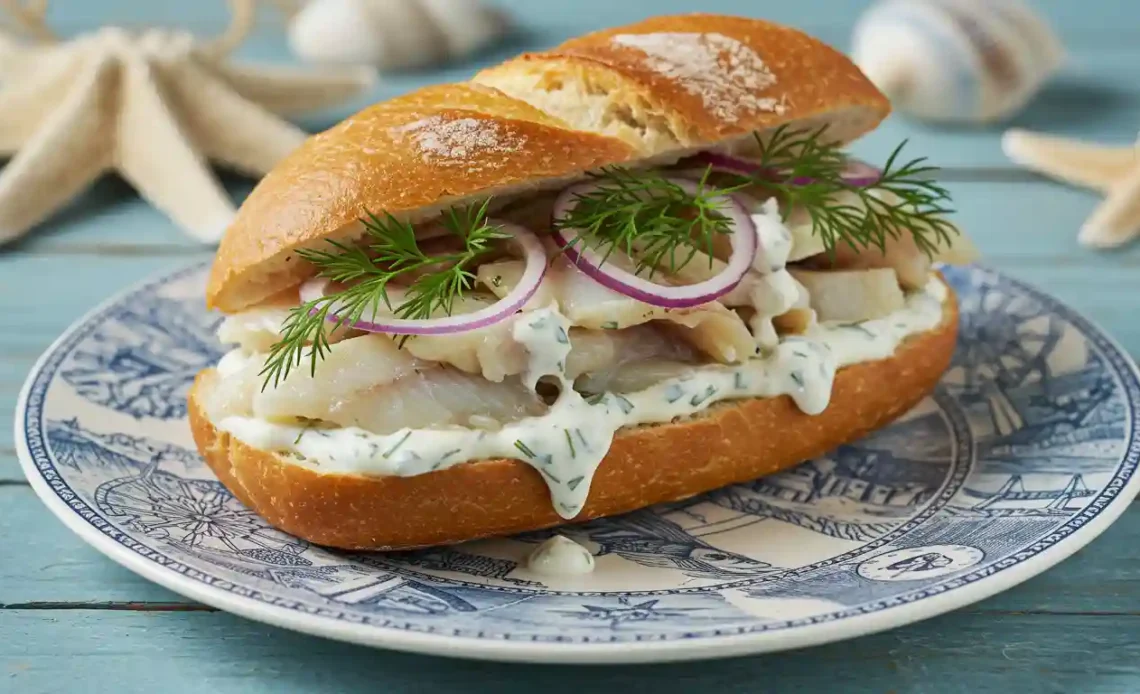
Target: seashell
column 394, row 34
column 971, row 61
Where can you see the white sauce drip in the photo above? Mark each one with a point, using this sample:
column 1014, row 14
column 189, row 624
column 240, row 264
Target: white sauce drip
column 545, row 334
column 560, row 556
column 567, row 443
column 774, row 291
column 775, row 238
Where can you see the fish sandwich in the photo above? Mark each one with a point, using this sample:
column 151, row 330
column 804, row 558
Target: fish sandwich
column 625, row 271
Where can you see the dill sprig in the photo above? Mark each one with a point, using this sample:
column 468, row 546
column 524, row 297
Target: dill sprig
column 662, row 226
column 390, row 251
column 657, row 223
column 651, row 219
column 805, row 170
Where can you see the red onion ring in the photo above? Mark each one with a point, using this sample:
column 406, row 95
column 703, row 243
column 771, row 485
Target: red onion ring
column 744, row 240
column 533, row 254
column 858, row 173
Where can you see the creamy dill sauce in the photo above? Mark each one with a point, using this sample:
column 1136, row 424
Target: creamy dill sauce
column 771, row 295
column 560, row 556
column 546, row 335
column 775, row 239
column 567, row 443
column 773, row 291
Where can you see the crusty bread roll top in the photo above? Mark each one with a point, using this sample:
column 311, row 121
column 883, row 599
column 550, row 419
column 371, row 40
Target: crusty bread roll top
column 641, row 94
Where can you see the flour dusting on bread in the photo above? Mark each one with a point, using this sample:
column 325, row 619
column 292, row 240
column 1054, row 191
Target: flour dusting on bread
column 635, row 406
column 444, row 140
column 723, row 72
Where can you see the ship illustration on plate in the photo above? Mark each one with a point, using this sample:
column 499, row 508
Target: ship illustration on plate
column 855, row 493
column 1046, row 410
column 200, row 518
column 1023, row 442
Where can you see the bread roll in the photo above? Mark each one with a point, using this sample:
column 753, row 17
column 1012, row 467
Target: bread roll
column 684, row 81
column 641, row 95
column 732, row 441
column 453, row 143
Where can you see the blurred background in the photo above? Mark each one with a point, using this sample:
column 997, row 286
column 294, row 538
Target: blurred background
column 1072, row 622
column 1090, row 94
column 1094, row 96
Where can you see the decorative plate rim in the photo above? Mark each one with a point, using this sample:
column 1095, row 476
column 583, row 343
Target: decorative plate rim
column 907, row 608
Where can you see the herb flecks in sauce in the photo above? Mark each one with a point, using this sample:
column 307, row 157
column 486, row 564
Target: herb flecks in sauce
column 540, row 441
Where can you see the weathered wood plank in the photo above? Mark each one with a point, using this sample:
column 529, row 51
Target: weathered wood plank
column 1075, row 22
column 1002, row 209
column 40, row 295
column 46, row 562
column 1093, row 97
column 206, row 651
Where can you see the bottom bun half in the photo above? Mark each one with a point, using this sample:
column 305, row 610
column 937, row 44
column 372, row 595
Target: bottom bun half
column 731, row 442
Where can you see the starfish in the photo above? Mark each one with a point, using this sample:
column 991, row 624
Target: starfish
column 156, row 106
column 1113, row 171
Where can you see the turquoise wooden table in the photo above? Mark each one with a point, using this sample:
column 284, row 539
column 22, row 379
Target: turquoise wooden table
column 73, row 621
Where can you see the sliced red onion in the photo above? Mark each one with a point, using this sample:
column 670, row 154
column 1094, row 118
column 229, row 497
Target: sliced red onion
column 860, row 173
column 743, row 238
column 528, row 284
column 857, row 173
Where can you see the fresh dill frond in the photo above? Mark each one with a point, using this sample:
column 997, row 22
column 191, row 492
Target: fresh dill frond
column 650, row 218
column 805, row 170
column 438, row 290
column 390, row 251
column 657, row 223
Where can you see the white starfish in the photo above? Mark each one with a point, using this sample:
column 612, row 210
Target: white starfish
column 154, row 106
column 1114, row 171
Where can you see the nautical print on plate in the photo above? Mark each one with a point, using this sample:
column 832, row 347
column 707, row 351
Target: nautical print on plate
column 1026, row 451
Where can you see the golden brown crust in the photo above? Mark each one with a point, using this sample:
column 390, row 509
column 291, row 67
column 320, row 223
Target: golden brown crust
column 807, row 79
column 409, row 154
column 732, row 442
column 421, row 152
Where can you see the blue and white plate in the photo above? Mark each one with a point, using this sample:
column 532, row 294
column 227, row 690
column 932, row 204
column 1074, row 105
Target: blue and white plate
column 1026, row 452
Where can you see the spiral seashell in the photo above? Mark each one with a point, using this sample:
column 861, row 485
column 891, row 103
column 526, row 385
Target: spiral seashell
column 956, row 60
column 393, row 34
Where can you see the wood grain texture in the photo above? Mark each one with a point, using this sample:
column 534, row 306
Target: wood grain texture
column 45, row 562
column 79, row 622
column 1094, row 95
column 175, row 652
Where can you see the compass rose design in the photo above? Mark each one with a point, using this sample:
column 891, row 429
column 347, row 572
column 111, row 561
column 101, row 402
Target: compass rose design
column 196, row 515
